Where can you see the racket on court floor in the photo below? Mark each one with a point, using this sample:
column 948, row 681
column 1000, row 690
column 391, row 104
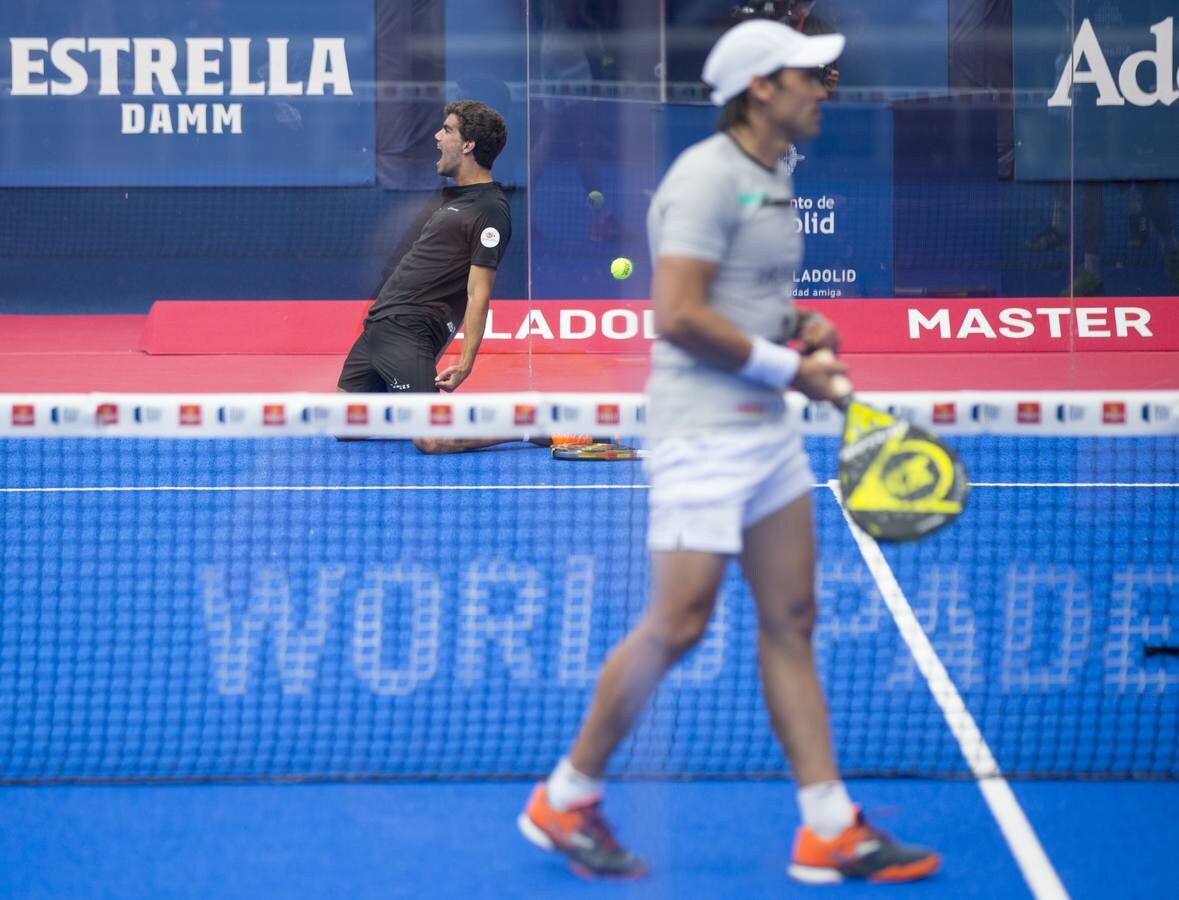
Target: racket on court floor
column 899, row 482
column 601, row 451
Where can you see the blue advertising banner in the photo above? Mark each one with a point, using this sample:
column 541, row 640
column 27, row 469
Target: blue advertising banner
column 1095, row 90
column 842, row 182
column 187, row 92
column 844, row 196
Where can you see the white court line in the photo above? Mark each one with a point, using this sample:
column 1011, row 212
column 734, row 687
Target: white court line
column 168, row 488
column 131, row 489
column 1029, row 855
column 1076, row 484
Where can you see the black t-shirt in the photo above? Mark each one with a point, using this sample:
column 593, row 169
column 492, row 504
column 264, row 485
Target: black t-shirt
column 471, row 226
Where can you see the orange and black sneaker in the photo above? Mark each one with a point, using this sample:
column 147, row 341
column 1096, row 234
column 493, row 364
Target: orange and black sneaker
column 582, row 834
column 859, row 852
column 562, row 440
column 573, row 440
column 570, row 440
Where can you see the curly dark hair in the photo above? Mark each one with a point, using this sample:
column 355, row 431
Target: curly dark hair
column 480, row 123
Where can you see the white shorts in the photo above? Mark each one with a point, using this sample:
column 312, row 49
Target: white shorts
column 707, row 490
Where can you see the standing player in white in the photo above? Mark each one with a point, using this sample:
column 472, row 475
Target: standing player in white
column 729, row 474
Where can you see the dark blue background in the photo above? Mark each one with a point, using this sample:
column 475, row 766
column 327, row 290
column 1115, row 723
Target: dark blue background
column 925, row 205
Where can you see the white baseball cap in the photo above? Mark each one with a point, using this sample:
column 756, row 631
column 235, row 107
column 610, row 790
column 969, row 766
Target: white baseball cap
column 759, row 47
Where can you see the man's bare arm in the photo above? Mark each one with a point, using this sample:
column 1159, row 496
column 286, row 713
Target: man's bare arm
column 479, row 284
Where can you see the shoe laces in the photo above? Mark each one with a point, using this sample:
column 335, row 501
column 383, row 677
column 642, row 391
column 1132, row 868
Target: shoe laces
column 595, row 826
column 867, row 831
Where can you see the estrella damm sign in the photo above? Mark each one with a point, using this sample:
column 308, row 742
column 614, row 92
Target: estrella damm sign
column 176, row 95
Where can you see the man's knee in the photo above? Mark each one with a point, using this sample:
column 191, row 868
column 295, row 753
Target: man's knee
column 792, row 618
column 676, row 635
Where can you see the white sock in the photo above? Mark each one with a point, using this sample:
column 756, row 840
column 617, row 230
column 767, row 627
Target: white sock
column 1170, row 243
column 567, row 787
column 826, row 808
column 1093, row 264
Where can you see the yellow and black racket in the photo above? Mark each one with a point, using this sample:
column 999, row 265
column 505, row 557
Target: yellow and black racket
column 899, row 482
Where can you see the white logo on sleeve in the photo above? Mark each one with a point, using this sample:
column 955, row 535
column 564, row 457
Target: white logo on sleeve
column 489, row 237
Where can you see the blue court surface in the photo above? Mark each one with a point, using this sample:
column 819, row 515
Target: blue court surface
column 704, row 839
column 415, row 638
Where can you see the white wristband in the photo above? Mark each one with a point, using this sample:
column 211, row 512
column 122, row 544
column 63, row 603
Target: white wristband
column 770, row 364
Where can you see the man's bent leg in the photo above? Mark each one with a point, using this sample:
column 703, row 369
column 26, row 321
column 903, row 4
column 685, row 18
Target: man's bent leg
column 683, row 594
column 564, row 812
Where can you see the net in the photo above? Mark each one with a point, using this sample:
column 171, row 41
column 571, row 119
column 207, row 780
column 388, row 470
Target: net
column 206, row 587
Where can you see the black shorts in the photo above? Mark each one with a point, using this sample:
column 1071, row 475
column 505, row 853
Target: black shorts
column 397, row 354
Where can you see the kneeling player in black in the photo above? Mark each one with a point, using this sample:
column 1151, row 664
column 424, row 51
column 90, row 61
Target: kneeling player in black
column 445, row 279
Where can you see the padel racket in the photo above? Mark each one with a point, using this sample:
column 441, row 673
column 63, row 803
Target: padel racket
column 899, row 482
column 600, row 451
